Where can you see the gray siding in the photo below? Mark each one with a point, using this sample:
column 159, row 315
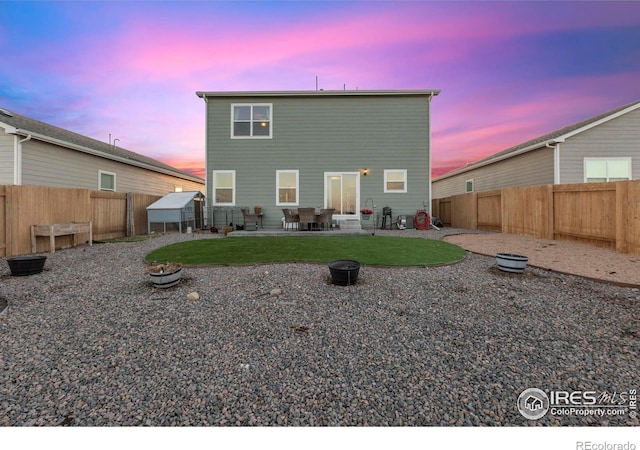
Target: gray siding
column 619, row 137
column 6, row 158
column 46, row 164
column 325, row 134
column 528, row 169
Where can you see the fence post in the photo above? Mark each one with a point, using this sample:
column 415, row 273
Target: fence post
column 474, row 212
column 622, row 211
column 131, row 226
column 4, row 226
column 9, row 218
column 551, row 232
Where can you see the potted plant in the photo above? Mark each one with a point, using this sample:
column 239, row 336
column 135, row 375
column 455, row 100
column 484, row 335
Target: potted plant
column 366, row 213
column 26, row 265
column 257, row 209
column 165, row 275
column 508, row 262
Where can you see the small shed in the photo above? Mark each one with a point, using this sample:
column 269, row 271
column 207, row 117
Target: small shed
column 177, row 208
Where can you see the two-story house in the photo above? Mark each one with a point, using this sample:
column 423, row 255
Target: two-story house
column 324, row 149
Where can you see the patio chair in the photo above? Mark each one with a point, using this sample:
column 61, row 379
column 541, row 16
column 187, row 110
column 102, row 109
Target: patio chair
column 290, row 218
column 250, row 220
column 307, row 216
column 326, row 218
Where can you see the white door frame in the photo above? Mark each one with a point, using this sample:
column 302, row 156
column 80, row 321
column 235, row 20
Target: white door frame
column 356, row 215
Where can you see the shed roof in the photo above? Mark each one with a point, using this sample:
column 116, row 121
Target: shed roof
column 22, row 125
column 550, row 138
column 175, row 200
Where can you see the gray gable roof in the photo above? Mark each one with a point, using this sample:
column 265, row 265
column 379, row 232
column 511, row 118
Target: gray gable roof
column 175, row 200
column 43, row 131
column 555, row 136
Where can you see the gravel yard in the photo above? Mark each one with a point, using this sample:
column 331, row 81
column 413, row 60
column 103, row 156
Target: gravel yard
column 90, row 342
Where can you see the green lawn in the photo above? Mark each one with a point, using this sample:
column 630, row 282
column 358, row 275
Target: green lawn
column 368, row 250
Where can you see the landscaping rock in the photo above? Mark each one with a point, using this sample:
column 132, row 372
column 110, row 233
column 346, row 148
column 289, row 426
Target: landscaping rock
column 452, row 345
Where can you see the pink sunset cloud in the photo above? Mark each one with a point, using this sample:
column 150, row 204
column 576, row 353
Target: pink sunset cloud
column 509, row 71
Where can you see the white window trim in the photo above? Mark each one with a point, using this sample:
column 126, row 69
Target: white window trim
column 270, row 105
column 473, row 185
column 233, row 187
column 623, row 158
column 104, row 172
column 396, row 191
column 297, row 202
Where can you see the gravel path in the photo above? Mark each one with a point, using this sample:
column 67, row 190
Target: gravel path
column 561, row 256
column 90, row 342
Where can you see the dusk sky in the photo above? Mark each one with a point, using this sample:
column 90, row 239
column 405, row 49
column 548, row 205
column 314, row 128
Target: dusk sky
column 508, row 71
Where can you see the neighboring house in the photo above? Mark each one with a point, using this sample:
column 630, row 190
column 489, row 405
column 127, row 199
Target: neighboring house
column 602, row 148
column 36, row 153
column 325, row 149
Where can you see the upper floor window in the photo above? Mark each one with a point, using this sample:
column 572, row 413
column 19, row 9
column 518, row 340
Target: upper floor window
column 251, row 120
column 395, row 180
column 106, row 181
column 600, row 170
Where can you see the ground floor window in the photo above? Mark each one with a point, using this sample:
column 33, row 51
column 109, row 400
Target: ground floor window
column 287, row 187
column 106, row 181
column 395, row 180
column 468, row 185
column 600, row 170
column 224, row 187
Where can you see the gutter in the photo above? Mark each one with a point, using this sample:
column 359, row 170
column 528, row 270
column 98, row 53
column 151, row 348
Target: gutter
column 321, row 93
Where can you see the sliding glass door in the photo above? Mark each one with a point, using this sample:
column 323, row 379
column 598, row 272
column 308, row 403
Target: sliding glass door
column 342, row 192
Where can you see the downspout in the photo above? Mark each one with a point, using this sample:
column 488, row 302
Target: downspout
column 556, row 160
column 206, row 159
column 428, row 207
column 17, row 166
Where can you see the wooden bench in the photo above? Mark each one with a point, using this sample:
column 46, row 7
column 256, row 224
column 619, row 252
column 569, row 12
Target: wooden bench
column 60, row 229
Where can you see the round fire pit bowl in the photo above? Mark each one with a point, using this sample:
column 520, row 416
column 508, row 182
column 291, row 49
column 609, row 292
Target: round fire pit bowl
column 344, row 272
column 21, row 266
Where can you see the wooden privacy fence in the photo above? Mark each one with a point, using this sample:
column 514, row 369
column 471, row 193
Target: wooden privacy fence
column 113, row 215
column 600, row 214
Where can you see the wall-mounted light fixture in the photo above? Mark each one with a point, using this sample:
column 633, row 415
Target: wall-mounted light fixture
column 365, row 172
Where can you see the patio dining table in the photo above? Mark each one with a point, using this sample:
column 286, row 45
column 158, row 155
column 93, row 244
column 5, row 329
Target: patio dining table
column 309, row 216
